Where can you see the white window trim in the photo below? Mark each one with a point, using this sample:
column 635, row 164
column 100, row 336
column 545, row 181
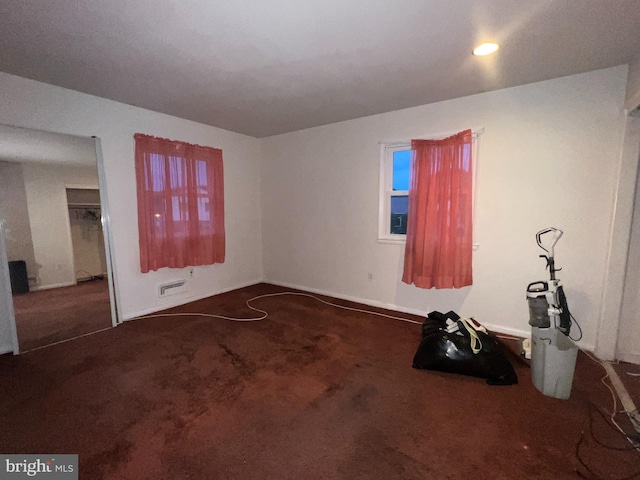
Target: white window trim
column 386, row 175
column 386, row 190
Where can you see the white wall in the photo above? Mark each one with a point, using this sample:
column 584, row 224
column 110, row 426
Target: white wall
column 632, row 99
column 45, row 185
column 550, row 156
column 30, row 104
column 13, row 209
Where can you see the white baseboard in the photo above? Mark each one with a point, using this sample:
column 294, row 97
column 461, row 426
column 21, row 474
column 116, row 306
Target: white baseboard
column 372, row 303
column 397, row 308
column 516, row 332
column 183, row 300
column 55, row 285
column 629, row 357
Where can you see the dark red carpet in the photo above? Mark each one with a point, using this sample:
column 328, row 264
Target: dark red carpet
column 312, row 392
column 44, row 317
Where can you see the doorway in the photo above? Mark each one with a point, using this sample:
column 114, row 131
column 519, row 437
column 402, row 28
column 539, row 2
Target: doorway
column 56, row 232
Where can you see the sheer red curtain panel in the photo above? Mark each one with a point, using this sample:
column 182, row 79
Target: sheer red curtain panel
column 438, row 250
column 180, row 191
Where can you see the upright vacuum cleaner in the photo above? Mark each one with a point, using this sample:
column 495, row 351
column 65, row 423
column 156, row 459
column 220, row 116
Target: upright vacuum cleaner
column 553, row 353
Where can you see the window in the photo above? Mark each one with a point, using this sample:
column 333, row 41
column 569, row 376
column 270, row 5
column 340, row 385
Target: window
column 180, row 204
column 395, row 178
column 439, row 241
column 394, row 191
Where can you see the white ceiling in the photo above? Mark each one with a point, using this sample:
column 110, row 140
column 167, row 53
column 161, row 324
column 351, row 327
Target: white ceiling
column 265, row 67
column 25, row 146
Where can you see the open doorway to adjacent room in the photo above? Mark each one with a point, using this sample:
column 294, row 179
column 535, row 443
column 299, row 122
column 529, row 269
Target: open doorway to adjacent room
column 56, row 243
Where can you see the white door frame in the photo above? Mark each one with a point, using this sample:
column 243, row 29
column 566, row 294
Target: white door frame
column 6, row 300
column 620, row 234
column 116, row 314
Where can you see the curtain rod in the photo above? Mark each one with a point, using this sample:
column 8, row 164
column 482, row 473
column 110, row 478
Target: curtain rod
column 432, row 136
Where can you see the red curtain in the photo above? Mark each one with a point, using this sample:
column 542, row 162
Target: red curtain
column 439, row 226
column 180, row 203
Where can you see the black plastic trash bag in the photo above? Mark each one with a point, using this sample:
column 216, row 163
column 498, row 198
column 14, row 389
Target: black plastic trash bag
column 457, row 345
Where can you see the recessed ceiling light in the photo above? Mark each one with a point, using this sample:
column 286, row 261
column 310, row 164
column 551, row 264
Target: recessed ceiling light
column 485, row 49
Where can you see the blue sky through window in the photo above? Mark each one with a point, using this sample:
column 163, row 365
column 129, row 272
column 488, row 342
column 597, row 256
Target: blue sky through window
column 401, row 169
column 400, row 205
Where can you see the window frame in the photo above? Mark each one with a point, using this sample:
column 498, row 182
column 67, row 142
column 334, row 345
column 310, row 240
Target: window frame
column 386, row 191
column 386, row 182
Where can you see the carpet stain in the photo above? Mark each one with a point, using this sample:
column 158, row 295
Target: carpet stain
column 332, row 388
column 360, row 401
column 245, row 368
column 364, row 461
column 107, row 461
column 174, row 428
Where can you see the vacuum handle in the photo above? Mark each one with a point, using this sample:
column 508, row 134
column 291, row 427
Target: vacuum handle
column 545, row 287
column 557, row 233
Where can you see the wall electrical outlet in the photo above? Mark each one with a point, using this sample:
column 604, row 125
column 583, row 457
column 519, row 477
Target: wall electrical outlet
column 191, row 272
column 370, row 277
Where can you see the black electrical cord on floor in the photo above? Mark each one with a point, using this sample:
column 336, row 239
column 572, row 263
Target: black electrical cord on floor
column 603, row 416
column 592, row 474
column 595, row 476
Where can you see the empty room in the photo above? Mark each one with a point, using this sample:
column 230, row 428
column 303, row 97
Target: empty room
column 305, row 240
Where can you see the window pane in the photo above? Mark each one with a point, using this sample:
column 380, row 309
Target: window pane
column 178, row 207
column 401, row 168
column 399, row 212
column 204, row 212
column 201, row 174
column 156, row 173
column 177, row 170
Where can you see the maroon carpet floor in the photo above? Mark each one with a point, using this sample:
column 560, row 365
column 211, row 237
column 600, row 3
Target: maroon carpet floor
column 44, row 317
column 312, row 392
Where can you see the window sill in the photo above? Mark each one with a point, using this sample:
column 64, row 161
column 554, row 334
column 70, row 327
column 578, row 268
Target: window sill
column 392, row 241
